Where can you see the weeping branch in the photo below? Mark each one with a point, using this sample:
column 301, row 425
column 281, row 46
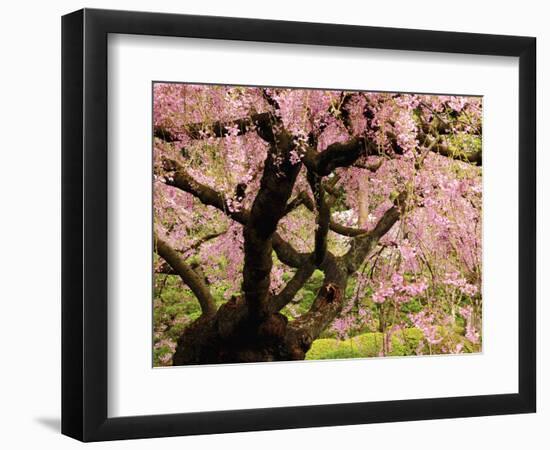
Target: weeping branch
column 167, row 269
column 287, row 294
column 188, row 276
column 180, row 179
column 435, row 128
column 259, row 122
column 209, row 196
column 362, row 246
column 269, row 99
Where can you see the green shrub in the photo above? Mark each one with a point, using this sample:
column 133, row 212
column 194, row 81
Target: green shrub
column 366, row 345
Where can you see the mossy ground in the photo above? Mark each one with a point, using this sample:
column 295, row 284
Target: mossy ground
column 175, row 307
column 365, row 345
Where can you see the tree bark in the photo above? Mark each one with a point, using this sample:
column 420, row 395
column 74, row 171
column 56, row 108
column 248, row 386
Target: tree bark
column 250, row 327
column 235, row 336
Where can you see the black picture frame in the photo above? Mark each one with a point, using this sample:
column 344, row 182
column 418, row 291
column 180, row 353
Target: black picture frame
column 84, row 224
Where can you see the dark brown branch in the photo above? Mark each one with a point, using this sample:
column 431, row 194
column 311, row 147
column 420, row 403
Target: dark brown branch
column 269, row 99
column 208, row 196
column 362, row 246
column 195, row 245
column 345, row 99
column 164, row 134
column 188, row 276
column 301, row 199
column 437, row 129
column 286, row 253
column 442, row 126
column 327, row 305
column 473, row 158
column 287, row 294
column 260, row 122
column 340, row 154
column 333, row 226
column 322, row 219
column 268, row 208
column 346, row 231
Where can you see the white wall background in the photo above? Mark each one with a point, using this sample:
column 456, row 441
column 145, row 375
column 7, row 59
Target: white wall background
column 30, row 229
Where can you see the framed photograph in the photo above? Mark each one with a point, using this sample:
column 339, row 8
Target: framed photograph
column 273, row 224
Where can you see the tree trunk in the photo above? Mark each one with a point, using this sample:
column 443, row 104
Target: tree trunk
column 234, row 335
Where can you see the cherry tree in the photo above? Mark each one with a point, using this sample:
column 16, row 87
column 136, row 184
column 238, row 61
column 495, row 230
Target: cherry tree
column 256, row 189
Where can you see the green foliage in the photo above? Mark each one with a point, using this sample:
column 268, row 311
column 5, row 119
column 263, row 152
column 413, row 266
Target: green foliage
column 305, row 296
column 161, row 355
column 404, row 343
column 464, row 143
column 412, row 306
column 174, row 308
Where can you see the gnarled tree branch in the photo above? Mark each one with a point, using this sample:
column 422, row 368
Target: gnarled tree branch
column 188, row 276
column 167, row 269
column 328, row 303
column 268, row 208
column 209, row 196
column 443, row 149
column 287, row 294
column 322, row 220
column 182, row 180
column 304, row 199
column 362, row 246
column 340, row 154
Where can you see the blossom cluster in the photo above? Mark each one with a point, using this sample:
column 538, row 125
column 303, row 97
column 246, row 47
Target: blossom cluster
column 418, row 273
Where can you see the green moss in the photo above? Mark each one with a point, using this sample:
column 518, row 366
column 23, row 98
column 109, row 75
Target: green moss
column 366, row 345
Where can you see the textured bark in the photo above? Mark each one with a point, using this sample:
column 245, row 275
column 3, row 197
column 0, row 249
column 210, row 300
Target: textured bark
column 322, row 219
column 268, row 208
column 250, row 327
column 233, row 335
column 340, row 154
column 325, row 308
column 182, row 180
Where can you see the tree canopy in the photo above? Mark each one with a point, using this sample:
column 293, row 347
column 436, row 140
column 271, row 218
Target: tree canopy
column 260, row 191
